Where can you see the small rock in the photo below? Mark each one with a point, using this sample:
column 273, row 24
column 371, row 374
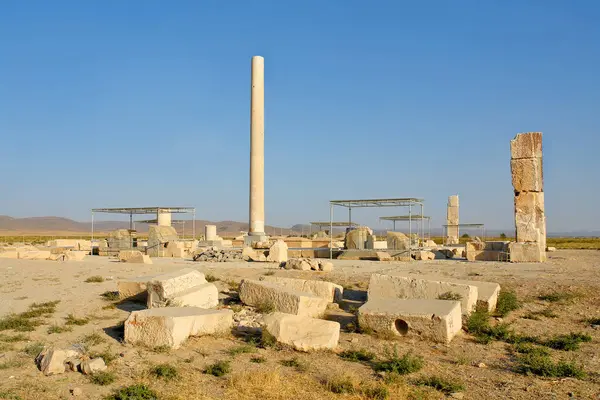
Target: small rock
column 354, row 340
column 76, row 392
column 498, row 319
column 481, row 365
column 457, row 395
column 325, row 266
column 89, row 367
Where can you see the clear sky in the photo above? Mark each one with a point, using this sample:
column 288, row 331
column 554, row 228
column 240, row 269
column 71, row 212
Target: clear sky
column 143, row 103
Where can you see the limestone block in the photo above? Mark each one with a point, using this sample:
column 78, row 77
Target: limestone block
column 431, row 244
column 171, row 326
column 158, row 237
column 380, row 245
column 526, row 145
column 424, row 255
column 163, row 287
column 474, row 246
column 203, row 296
column 9, row 254
column 302, row 333
column 34, row 255
column 383, row 256
column 404, row 287
column 436, row 320
column 325, row 266
column 327, row 290
column 550, row 249
column 210, row 232
column 529, row 217
column 527, row 174
column 134, row 288
column 76, row 255
column 298, row 263
column 357, row 238
column 314, row 264
column 486, row 255
column 278, row 252
column 452, row 216
column 526, row 252
column 134, row 256
column 90, row 367
column 53, row 361
column 289, row 301
column 397, row 241
column 256, row 255
column 452, row 239
column 453, row 201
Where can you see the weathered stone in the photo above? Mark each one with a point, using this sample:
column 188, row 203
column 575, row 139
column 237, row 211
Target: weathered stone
column 314, row 264
column 302, row 333
column 298, row 263
column 529, row 217
column 436, row 320
column 90, row 367
column 526, row 252
column 325, row 266
column 356, row 239
column 452, row 220
column 383, row 256
column 53, row 361
column 550, row 249
column 158, row 239
column 76, row 255
column 397, row 241
column 424, row 255
column 486, row 255
column 257, row 293
column 431, row 244
column 134, row 256
column 278, row 252
column 327, row 290
column 256, row 255
column 134, row 287
column 203, row 296
column 526, row 145
column 9, row 254
column 527, row 174
column 403, row 287
column 171, row 326
column 163, row 287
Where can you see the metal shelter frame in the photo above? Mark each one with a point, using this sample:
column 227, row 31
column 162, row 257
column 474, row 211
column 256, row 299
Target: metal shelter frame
column 338, row 224
column 409, row 218
column 146, row 210
column 181, row 222
column 445, row 230
column 370, row 203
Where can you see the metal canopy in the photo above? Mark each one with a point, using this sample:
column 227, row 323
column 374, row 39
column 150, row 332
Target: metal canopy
column 400, row 202
column 324, row 223
column 144, row 210
column 465, row 225
column 404, row 217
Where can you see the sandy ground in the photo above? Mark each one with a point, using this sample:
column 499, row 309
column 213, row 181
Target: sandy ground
column 25, row 282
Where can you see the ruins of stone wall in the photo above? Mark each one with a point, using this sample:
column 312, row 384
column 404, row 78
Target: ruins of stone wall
column 528, row 183
column 452, row 220
column 158, row 239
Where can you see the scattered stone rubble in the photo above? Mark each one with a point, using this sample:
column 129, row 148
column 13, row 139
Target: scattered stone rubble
column 54, row 361
column 214, row 254
column 308, row 264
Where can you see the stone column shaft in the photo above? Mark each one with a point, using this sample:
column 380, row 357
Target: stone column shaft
column 257, row 147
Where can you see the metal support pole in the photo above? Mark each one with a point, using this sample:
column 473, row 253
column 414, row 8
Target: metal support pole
column 194, row 224
column 409, row 232
column 394, row 222
column 92, row 240
column 422, row 224
column 330, row 231
column 350, row 216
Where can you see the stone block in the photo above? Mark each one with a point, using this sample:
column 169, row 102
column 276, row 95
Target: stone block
column 435, row 320
column 163, row 287
column 380, row 245
column 527, row 174
column 171, row 326
column 453, row 201
column 255, row 255
column 90, row 367
column 452, row 215
column 404, row 287
column 431, row 244
column 302, row 333
column 134, row 256
column 134, row 288
column 53, row 361
column 325, row 266
column 397, row 241
column 158, row 239
column 255, row 293
column 278, row 252
column 550, row 249
column 526, row 145
column 357, row 239
column 76, row 255
column 203, row 296
column 9, row 254
column 526, row 252
column 486, row 255
column 424, row 255
column 383, row 256
column 529, row 217
column 301, row 264
column 327, row 290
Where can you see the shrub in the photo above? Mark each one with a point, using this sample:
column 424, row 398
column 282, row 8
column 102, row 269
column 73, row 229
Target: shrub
column 440, row 384
column 341, row 385
column 234, row 351
column 529, row 348
column 568, row 342
column 541, row 365
column 103, row 378
column 93, row 339
column 210, row 278
column 357, row 355
column 400, row 365
column 554, row 297
column 507, row 302
column 13, row 339
column 59, row 329
column 33, row 349
column 165, row 371
column 265, row 307
column 450, row 296
column 73, row 320
column 110, row 295
column 258, row 360
column 300, row 365
column 379, row 392
column 134, row 392
column 219, row 368
column 95, row 279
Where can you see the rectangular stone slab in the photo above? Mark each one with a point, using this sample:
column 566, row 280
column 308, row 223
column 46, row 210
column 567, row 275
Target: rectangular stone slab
column 285, row 300
column 203, row 296
column 327, row 290
column 527, row 175
column 526, row 252
column 171, row 326
column 134, row 288
column 436, row 320
column 163, row 287
column 403, row 287
column 526, row 145
column 302, row 333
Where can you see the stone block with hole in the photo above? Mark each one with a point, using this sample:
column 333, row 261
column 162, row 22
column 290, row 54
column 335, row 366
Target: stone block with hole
column 435, row 320
column 260, row 293
column 405, row 287
column 302, row 333
column 171, row 326
column 165, row 286
column 327, row 290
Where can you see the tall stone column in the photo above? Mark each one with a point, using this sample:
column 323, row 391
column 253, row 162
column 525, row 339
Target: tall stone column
column 257, row 152
column 163, row 218
column 452, row 220
column 528, row 183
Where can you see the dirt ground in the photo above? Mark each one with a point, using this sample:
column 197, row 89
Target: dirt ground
column 486, row 371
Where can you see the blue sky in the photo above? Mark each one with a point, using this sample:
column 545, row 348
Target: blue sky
column 142, row 103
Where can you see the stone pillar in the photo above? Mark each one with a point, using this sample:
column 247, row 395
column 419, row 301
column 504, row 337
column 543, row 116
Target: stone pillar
column 452, row 233
column 528, row 184
column 210, row 232
column 256, row 231
column 163, row 218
